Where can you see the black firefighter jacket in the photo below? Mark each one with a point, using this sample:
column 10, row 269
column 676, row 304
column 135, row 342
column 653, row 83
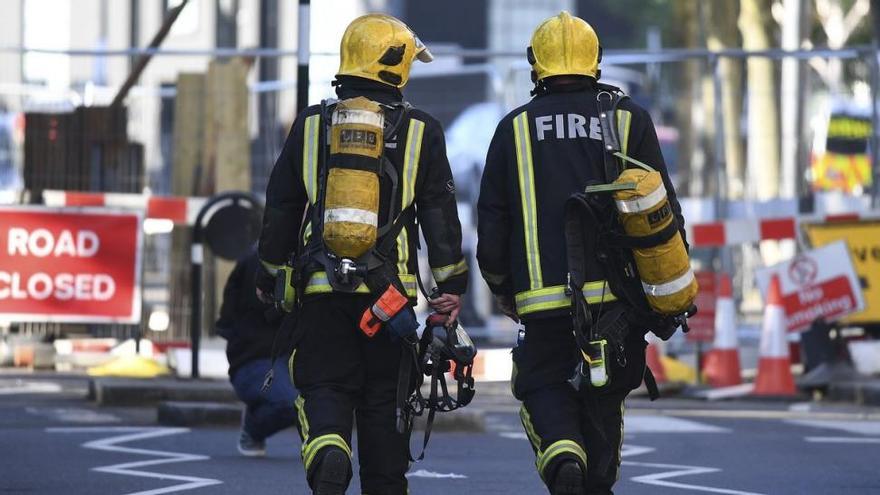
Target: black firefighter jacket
column 543, row 152
column 418, row 152
column 247, row 324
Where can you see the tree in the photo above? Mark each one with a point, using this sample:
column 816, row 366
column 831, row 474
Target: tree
column 756, row 27
column 722, row 34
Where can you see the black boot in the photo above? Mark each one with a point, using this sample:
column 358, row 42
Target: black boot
column 332, row 475
column 569, row 479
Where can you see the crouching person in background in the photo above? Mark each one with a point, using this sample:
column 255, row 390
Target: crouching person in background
column 249, row 327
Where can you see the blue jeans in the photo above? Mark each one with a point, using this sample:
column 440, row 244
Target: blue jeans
column 270, row 413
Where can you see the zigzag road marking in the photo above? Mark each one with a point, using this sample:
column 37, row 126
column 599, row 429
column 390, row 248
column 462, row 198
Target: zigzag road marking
column 672, row 471
column 676, row 470
column 125, row 434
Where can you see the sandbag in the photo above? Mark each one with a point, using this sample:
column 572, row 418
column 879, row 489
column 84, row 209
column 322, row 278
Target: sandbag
column 663, row 266
column 351, row 202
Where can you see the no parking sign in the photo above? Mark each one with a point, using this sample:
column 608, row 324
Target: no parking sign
column 821, row 283
column 69, row 266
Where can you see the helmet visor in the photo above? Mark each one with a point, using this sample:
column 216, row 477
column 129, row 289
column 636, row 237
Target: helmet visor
column 422, row 52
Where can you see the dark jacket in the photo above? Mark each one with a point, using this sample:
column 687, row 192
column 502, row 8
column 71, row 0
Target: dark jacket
column 287, row 198
column 247, row 324
column 563, row 141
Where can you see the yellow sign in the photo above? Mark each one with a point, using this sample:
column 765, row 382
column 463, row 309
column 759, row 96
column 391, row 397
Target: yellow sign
column 863, row 239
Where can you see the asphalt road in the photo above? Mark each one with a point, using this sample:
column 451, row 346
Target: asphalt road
column 53, row 441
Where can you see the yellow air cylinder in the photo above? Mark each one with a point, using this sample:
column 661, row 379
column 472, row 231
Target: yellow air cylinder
column 664, row 268
column 351, row 201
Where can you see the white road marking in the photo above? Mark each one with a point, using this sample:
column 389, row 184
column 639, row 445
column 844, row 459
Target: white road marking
column 513, row 435
column 855, row 427
column 842, row 439
column 667, row 424
column 676, row 470
column 124, row 434
column 72, row 415
column 634, row 450
column 424, row 473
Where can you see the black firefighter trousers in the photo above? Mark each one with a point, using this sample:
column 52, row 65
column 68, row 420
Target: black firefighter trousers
column 563, row 424
column 341, row 373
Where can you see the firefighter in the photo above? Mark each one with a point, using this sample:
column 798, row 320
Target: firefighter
column 542, row 153
column 341, row 363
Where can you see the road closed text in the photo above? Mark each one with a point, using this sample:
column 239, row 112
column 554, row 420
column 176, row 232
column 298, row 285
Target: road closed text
column 60, row 265
column 42, row 243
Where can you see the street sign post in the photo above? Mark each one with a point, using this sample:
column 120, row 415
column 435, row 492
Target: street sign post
column 78, row 266
column 817, row 284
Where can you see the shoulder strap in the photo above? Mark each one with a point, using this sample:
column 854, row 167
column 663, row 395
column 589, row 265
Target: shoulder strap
column 607, row 100
column 576, row 248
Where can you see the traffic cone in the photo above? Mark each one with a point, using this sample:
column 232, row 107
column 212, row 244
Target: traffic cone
column 774, row 367
column 722, row 367
column 652, row 358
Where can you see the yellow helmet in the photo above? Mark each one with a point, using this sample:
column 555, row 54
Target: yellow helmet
column 564, row 44
column 382, row 48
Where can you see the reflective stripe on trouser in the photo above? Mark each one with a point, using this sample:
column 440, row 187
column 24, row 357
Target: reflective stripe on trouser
column 312, row 446
column 319, row 284
column 300, row 405
column 555, row 450
column 560, row 447
column 548, row 298
column 444, row 273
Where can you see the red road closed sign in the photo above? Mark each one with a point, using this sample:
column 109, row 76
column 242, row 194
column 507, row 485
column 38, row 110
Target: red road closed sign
column 702, row 324
column 821, row 283
column 69, row 266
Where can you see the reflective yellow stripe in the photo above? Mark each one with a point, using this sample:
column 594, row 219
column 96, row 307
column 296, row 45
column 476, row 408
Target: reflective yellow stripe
column 310, row 449
column 624, row 119
column 526, row 419
column 307, row 233
column 300, row 404
column 526, row 176
column 318, row 284
column 411, row 156
column 558, row 448
column 444, row 273
column 310, row 156
column 548, row 298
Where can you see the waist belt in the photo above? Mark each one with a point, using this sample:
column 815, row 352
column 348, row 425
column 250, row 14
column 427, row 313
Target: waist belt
column 318, row 284
column 548, row 298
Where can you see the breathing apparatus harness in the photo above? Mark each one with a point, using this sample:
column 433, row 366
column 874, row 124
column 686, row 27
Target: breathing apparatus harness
column 438, row 351
column 592, row 226
column 343, row 274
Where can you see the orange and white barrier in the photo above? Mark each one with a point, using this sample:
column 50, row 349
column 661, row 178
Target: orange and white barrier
column 180, row 210
column 722, row 367
column 774, row 367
